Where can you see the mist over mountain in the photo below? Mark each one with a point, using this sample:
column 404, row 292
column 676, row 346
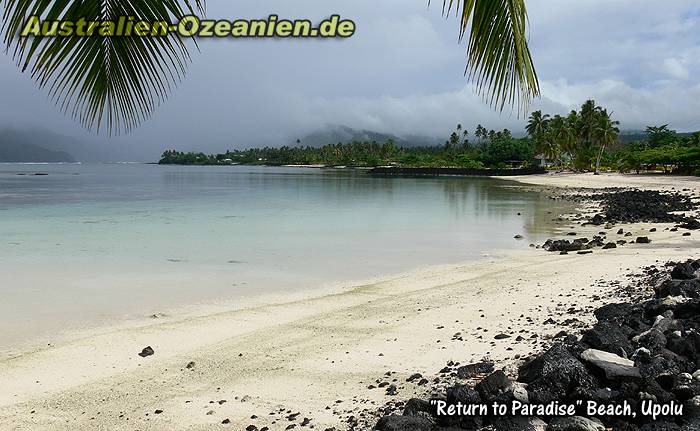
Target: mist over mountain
column 40, row 145
column 344, row 134
column 11, row 152
column 627, row 136
column 23, row 147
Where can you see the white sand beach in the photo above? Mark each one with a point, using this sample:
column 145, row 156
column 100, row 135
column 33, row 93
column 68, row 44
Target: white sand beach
column 649, row 181
column 316, row 354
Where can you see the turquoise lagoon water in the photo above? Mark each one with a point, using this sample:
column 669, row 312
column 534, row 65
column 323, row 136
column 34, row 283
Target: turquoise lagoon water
column 92, row 243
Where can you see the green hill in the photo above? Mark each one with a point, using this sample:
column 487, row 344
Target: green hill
column 23, row 147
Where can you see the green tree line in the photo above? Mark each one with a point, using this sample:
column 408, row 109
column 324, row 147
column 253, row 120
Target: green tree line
column 489, row 149
column 583, row 140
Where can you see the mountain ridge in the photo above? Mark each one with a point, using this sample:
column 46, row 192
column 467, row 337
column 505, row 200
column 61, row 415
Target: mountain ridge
column 344, row 134
column 21, row 147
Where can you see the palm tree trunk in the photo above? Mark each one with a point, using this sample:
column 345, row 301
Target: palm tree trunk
column 597, row 161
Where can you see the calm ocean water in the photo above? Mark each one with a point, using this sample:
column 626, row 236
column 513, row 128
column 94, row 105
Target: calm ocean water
column 97, row 242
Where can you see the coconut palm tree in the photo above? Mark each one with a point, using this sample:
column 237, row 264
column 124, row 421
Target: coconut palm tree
column 562, row 135
column 546, row 145
column 537, row 124
column 586, row 125
column 606, row 133
column 481, row 133
column 573, row 124
column 117, row 82
column 465, row 139
column 588, row 121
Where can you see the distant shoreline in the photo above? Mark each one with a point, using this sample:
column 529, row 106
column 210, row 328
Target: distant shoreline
column 538, row 176
column 397, row 171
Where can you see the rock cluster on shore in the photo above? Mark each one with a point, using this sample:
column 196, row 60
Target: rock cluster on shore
column 633, row 206
column 638, row 353
column 629, row 206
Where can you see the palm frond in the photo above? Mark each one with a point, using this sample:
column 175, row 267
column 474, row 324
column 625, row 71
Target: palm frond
column 110, row 82
column 498, row 57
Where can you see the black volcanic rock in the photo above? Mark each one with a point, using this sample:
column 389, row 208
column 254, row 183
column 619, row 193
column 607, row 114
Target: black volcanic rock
column 563, row 245
column 683, row 271
column 418, row 407
column 631, row 206
column 147, row 351
column 640, row 350
column 493, row 386
column 551, row 375
column 472, row 370
column 690, row 224
column 609, row 337
column 557, row 359
column 404, row 423
column 617, row 313
column 467, row 396
column 518, row 423
column 687, row 288
column 575, row 423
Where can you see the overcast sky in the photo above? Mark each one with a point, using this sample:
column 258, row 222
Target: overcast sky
column 401, row 73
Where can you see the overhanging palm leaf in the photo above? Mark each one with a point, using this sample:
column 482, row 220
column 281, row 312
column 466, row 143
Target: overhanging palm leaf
column 98, row 80
column 498, row 56
column 119, row 81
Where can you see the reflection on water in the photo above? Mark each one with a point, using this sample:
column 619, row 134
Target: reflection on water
column 496, row 200
column 89, row 243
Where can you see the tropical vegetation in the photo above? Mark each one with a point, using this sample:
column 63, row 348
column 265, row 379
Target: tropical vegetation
column 588, row 139
column 489, row 148
column 663, row 149
column 578, row 138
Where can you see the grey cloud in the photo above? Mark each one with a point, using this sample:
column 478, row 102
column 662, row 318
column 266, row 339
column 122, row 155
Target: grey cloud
column 401, row 73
